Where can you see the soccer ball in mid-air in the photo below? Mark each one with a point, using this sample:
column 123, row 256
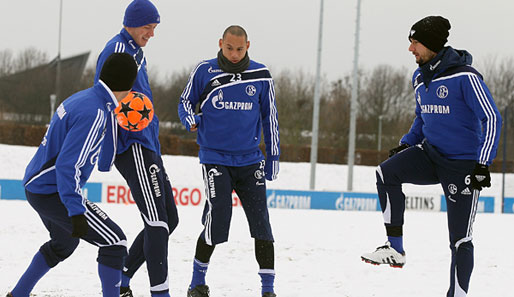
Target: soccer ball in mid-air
column 134, row 112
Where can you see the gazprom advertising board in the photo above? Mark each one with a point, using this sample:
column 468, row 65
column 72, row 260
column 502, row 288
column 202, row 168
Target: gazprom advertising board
column 119, row 193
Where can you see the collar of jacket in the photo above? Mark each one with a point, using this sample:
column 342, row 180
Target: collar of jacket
column 445, row 59
column 104, row 92
column 129, row 39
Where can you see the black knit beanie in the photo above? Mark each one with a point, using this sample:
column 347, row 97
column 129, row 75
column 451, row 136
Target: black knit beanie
column 119, row 72
column 431, row 31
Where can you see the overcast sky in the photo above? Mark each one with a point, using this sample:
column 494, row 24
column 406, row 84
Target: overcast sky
column 283, row 33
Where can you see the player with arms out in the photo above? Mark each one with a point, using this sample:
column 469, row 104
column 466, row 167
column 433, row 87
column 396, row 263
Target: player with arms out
column 236, row 97
column 139, row 160
column 452, row 141
column 59, row 170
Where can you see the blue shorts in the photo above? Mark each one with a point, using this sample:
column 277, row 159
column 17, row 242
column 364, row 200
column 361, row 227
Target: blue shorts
column 250, row 186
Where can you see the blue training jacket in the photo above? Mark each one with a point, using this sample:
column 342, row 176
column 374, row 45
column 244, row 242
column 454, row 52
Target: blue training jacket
column 455, row 111
column 234, row 109
column 148, row 137
column 70, row 147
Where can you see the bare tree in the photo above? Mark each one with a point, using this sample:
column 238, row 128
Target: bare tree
column 335, row 114
column 387, row 92
column 6, row 62
column 294, row 95
column 167, row 95
column 29, row 58
column 26, row 59
column 499, row 77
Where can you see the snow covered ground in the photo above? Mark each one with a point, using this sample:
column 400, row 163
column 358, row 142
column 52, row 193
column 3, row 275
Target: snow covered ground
column 317, row 252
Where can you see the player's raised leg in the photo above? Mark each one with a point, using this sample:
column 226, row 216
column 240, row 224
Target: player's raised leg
column 411, row 165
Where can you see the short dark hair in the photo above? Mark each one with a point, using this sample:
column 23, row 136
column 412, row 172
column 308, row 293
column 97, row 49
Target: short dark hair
column 235, row 30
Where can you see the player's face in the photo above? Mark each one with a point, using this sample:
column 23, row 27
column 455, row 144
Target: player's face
column 421, row 52
column 142, row 34
column 234, row 47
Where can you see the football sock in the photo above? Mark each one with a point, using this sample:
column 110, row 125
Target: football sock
column 265, row 254
column 267, row 280
column 396, row 243
column 199, row 271
column 111, row 280
column 32, row 275
column 125, row 281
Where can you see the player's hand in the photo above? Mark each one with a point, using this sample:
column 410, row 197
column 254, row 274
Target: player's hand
column 192, row 122
column 480, row 178
column 79, row 224
column 397, row 149
column 271, row 169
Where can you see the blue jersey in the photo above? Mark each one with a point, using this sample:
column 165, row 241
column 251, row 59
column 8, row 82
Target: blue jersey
column 234, row 109
column 148, row 137
column 455, row 111
column 70, row 147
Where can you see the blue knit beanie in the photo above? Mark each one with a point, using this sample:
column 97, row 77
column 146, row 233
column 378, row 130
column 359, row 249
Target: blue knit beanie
column 140, row 13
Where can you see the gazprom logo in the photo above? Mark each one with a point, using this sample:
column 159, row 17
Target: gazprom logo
column 217, row 101
column 153, row 169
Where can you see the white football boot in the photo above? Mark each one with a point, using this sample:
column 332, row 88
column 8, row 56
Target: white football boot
column 385, row 255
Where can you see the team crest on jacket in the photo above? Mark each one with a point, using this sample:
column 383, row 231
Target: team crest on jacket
column 251, row 90
column 452, row 188
column 258, row 174
column 442, row 92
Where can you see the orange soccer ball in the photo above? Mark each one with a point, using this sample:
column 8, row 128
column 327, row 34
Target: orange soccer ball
column 134, row 112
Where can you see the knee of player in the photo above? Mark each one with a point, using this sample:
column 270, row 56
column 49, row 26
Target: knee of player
column 172, row 224
column 387, row 174
column 112, row 256
column 55, row 252
column 461, row 242
column 379, row 175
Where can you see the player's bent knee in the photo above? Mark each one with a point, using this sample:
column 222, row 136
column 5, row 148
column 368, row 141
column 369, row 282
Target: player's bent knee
column 112, row 256
column 462, row 243
column 172, row 224
column 55, row 252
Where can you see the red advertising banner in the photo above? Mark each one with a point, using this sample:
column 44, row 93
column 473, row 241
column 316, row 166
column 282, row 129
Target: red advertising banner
column 184, row 196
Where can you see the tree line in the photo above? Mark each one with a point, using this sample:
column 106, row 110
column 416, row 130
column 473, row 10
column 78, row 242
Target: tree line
column 385, row 98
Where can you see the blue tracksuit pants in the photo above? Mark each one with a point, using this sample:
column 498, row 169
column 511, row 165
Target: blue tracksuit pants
column 151, row 189
column 103, row 232
column 250, row 185
column 424, row 165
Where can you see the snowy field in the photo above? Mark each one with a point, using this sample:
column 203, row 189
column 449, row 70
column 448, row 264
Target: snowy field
column 317, row 252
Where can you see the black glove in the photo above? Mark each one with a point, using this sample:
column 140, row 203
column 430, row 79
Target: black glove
column 480, row 178
column 397, row 149
column 79, row 224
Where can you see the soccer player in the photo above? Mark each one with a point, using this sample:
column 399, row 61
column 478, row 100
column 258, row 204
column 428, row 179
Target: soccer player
column 236, row 98
column 453, row 139
column 60, row 168
column 139, row 160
